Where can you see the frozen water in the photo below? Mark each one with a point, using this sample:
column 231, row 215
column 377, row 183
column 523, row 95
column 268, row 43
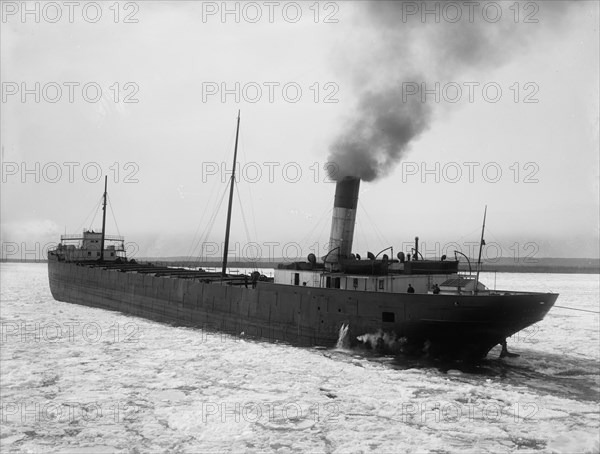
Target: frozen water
column 81, row 380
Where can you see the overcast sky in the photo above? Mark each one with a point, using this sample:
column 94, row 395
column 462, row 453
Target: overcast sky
column 510, row 120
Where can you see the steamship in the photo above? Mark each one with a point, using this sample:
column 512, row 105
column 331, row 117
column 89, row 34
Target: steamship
column 403, row 303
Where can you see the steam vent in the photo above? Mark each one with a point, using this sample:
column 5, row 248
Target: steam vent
column 343, row 219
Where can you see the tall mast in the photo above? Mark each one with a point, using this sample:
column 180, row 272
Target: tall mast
column 103, row 220
column 226, row 247
column 481, row 244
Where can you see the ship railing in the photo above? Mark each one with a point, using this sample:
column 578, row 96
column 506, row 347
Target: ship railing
column 78, row 237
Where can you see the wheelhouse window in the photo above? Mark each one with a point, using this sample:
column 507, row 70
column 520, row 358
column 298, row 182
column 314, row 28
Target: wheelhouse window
column 381, row 284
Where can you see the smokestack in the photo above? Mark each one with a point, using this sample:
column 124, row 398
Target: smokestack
column 416, row 255
column 343, row 219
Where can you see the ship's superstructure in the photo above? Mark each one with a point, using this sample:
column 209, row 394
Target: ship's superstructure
column 342, row 269
column 87, row 248
column 418, row 304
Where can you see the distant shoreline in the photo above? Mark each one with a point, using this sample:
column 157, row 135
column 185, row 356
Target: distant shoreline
column 545, row 265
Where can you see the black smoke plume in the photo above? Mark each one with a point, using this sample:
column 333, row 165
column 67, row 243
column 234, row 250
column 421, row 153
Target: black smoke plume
column 403, row 48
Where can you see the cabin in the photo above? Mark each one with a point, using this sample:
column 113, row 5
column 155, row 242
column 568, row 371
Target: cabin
column 86, row 247
column 370, row 276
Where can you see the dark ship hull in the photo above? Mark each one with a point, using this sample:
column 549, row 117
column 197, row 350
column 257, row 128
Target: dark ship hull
column 463, row 326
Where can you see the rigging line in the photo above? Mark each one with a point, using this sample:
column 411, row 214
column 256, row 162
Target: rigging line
column 93, row 210
column 221, row 166
column 320, row 235
column 237, row 190
column 364, row 238
column 96, row 213
column 214, row 213
column 252, row 262
column 252, row 212
column 475, row 230
column 576, row 309
column 230, row 147
column 503, row 249
column 520, row 249
column 316, row 239
column 377, row 231
column 242, row 148
column 239, row 175
column 375, row 227
column 213, row 193
column 308, row 236
column 515, row 255
column 191, row 252
column 496, row 240
column 202, row 239
column 197, row 240
column 511, row 253
column 113, row 213
column 210, row 225
column 324, row 224
column 213, row 218
column 360, row 232
column 194, row 244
